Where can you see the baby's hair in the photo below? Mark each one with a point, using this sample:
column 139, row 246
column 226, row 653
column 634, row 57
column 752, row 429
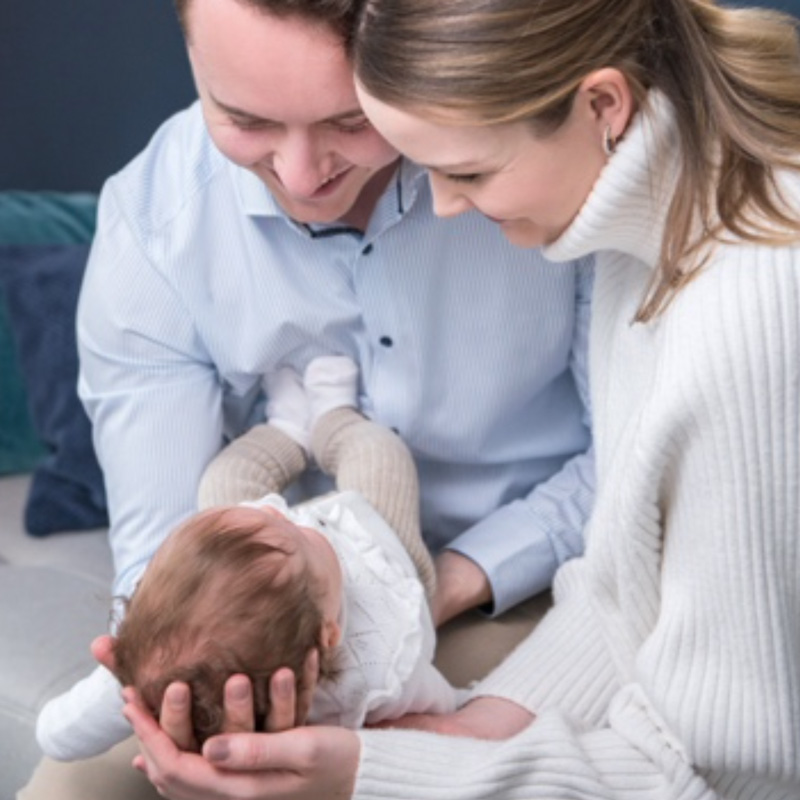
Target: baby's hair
column 215, row 601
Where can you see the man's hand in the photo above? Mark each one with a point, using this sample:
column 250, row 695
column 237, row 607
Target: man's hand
column 460, row 585
column 483, row 718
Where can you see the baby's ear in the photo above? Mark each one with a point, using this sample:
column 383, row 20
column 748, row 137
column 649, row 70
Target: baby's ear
column 331, row 633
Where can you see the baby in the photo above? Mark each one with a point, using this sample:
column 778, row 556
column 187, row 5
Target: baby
column 252, row 587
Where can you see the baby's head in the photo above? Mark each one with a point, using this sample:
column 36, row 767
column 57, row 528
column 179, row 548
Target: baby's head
column 232, row 590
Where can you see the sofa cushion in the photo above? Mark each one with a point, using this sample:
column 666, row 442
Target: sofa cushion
column 28, row 218
column 40, row 286
column 46, row 649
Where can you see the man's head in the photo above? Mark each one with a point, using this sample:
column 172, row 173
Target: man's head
column 339, row 15
column 278, row 96
column 232, row 590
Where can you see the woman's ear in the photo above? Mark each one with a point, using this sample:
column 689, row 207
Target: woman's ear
column 609, row 99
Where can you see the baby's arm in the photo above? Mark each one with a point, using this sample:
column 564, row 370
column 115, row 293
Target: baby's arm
column 426, row 691
column 85, row 721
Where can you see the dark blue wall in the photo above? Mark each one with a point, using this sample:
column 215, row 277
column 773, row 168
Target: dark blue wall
column 84, row 83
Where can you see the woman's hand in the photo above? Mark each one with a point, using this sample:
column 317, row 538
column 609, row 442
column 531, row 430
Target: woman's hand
column 304, row 763
column 288, row 708
column 483, row 718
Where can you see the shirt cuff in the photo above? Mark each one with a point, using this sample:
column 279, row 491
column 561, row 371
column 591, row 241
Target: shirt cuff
column 516, row 555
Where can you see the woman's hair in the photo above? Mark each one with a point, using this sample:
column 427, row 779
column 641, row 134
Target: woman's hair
column 217, row 601
column 338, row 14
column 732, row 75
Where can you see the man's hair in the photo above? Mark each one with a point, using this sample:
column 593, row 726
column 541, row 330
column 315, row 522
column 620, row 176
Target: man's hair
column 215, row 601
column 339, row 15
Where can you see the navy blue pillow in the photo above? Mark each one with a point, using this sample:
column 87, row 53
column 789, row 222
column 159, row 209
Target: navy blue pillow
column 40, row 284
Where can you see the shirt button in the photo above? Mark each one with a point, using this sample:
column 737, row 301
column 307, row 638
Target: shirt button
column 386, row 341
column 367, row 250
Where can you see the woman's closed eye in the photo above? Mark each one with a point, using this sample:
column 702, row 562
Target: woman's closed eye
column 471, row 177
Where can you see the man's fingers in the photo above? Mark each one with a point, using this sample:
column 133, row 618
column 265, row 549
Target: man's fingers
column 176, row 716
column 282, row 700
column 308, row 685
column 239, row 713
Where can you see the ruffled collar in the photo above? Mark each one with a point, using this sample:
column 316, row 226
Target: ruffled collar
column 627, row 207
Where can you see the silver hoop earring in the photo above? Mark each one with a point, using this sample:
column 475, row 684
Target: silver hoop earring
column 609, row 142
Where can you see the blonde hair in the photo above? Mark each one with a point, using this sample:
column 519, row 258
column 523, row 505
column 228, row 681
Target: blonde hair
column 732, row 75
column 215, row 601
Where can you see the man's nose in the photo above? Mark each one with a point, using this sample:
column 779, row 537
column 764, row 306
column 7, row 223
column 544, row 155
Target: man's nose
column 299, row 164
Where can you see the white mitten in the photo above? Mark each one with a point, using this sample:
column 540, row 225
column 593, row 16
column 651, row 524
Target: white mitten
column 85, row 721
column 287, row 406
column 330, row 382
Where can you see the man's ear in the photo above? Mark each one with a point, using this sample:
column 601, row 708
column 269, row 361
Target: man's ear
column 608, row 97
column 331, row 633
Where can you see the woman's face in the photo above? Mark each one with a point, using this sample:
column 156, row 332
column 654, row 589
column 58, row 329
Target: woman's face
column 531, row 186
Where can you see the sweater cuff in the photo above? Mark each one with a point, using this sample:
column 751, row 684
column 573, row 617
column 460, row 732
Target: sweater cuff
column 547, row 670
column 550, row 758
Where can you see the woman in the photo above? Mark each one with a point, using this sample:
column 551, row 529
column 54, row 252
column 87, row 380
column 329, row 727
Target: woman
column 664, row 135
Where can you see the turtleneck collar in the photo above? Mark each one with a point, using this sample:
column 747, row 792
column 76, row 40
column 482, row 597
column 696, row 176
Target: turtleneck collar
column 627, row 207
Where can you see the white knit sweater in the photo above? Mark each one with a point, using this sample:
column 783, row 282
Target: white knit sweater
column 670, row 664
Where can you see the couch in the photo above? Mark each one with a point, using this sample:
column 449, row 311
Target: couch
column 54, row 598
column 86, row 86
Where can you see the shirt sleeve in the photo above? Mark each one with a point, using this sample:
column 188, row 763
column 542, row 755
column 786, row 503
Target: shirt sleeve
column 150, row 390
column 521, row 545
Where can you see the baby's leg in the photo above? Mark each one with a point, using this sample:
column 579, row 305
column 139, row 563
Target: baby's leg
column 262, row 461
column 368, row 458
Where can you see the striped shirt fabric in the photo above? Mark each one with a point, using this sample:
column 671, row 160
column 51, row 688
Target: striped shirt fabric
column 474, row 351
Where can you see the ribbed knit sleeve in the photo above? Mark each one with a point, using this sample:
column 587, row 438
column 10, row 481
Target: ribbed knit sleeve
column 670, row 666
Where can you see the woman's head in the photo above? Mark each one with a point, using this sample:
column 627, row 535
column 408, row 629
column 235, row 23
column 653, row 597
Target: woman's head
column 532, row 184
column 495, row 61
column 732, row 76
column 231, row 591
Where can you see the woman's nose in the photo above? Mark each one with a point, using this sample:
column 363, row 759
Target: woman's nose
column 448, row 201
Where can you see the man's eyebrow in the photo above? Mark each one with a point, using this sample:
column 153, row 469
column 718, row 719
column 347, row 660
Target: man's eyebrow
column 237, row 112
column 354, row 113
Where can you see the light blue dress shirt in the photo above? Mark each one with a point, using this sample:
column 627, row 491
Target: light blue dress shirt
column 473, row 350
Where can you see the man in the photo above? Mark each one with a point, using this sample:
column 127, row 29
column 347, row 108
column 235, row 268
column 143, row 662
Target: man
column 269, row 224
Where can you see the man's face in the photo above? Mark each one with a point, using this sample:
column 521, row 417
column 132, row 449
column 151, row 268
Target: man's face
column 279, row 99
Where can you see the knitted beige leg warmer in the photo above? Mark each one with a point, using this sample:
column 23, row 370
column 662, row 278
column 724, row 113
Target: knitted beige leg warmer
column 368, row 458
column 262, row 461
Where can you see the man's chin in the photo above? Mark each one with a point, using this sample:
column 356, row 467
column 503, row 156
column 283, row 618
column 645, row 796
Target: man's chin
column 318, row 213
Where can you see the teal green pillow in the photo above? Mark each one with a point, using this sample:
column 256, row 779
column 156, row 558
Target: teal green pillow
column 32, row 218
